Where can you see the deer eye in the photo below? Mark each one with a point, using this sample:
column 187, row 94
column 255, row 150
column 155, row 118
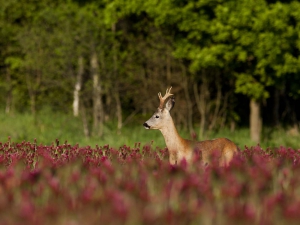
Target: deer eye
column 156, row 116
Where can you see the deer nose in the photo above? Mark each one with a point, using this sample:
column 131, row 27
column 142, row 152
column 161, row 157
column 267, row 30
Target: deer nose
column 146, row 126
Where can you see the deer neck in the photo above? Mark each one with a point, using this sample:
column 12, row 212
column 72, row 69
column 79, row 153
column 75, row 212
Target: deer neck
column 173, row 141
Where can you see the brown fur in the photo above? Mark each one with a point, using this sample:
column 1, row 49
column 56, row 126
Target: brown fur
column 222, row 148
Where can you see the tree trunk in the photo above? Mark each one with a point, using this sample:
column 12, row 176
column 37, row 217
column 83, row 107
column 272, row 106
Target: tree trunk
column 202, row 99
column 255, row 121
column 276, row 107
column 232, row 126
column 217, row 104
column 295, row 123
column 116, row 89
column 224, row 110
column 119, row 110
column 98, row 111
column 85, row 123
column 185, row 85
column 77, row 87
column 168, row 69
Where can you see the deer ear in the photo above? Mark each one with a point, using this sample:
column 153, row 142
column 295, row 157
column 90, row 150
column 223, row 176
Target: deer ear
column 170, row 103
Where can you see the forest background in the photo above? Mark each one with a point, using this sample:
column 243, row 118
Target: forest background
column 93, row 69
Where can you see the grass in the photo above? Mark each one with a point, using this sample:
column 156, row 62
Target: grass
column 47, row 127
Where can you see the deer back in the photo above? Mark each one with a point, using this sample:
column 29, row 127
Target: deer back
column 222, row 148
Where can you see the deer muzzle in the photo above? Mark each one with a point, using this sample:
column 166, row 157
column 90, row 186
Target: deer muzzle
column 146, row 126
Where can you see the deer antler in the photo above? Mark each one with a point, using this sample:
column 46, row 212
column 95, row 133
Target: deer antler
column 163, row 99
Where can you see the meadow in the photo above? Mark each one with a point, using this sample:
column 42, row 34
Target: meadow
column 54, row 181
column 47, row 126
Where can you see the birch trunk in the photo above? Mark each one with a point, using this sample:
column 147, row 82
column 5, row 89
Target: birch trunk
column 98, row 111
column 255, row 121
column 85, row 123
column 77, row 87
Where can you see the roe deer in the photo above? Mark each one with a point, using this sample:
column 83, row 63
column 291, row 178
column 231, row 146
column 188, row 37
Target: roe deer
column 180, row 148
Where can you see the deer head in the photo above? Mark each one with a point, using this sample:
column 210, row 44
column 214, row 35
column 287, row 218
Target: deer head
column 162, row 115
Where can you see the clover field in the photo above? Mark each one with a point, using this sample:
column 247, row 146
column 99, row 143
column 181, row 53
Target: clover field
column 65, row 184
